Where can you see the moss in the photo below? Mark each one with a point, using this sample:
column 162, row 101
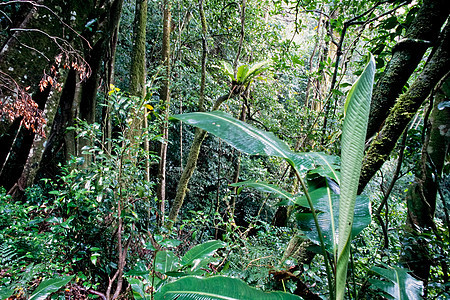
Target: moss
column 137, row 74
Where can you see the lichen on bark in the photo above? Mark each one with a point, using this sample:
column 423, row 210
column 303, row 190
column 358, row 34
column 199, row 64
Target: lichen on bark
column 406, row 55
column 405, row 108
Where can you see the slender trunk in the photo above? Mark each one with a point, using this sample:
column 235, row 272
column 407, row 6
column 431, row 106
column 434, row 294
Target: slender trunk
column 201, row 100
column 241, row 39
column 107, row 125
column 37, row 149
column 311, row 60
column 137, row 80
column 237, row 167
column 165, row 102
column 137, row 75
column 190, row 165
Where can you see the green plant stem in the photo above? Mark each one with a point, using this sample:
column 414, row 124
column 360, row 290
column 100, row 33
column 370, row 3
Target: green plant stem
column 319, row 231
column 353, row 273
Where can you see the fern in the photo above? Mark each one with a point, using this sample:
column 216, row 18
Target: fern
column 8, row 255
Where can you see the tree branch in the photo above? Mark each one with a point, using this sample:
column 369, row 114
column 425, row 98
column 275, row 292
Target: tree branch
column 405, row 109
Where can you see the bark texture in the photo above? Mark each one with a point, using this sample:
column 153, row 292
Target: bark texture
column 137, row 82
column 405, row 109
column 137, row 75
column 421, row 197
column 165, row 102
column 406, row 55
column 37, row 148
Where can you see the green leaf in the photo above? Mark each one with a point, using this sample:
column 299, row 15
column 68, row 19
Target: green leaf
column 256, row 69
column 251, row 140
column 5, row 293
column 149, row 246
column 240, row 135
column 353, row 137
column 94, row 258
column 140, row 269
column 241, row 75
column 170, row 243
column 214, row 288
column 443, row 105
column 138, row 289
column 166, row 261
column 327, row 203
column 49, row 286
column 400, row 284
column 268, row 188
column 199, row 252
column 228, row 70
column 323, row 164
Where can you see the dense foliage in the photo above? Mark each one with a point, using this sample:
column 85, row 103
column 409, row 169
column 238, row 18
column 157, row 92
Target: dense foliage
column 307, row 149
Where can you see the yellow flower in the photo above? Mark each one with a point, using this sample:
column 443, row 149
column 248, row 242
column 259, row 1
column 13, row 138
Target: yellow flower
column 112, row 89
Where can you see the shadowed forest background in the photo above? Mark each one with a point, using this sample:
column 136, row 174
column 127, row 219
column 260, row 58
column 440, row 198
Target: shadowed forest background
column 245, row 149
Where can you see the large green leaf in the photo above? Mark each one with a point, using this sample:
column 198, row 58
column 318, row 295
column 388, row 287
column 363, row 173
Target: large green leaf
column 166, row 261
column 268, row 188
column 255, row 70
column 400, row 285
column 202, row 251
column 354, row 131
column 215, row 288
column 241, row 74
column 327, row 203
column 323, row 164
column 240, row 135
column 49, row 286
column 251, row 140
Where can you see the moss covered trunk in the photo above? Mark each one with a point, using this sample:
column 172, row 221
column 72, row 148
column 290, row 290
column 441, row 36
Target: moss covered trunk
column 406, row 55
column 191, row 164
column 422, row 195
column 405, row 109
column 138, row 79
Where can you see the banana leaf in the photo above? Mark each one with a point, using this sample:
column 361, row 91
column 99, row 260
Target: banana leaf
column 326, row 204
column 353, row 141
column 399, row 285
column 214, row 288
column 240, row 135
column 166, row 261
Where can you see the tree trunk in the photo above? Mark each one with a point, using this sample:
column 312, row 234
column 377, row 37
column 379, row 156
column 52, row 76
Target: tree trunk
column 406, row 55
column 191, row 163
column 37, row 148
column 165, row 102
column 137, row 75
column 421, row 198
column 81, row 100
column 106, row 111
column 138, row 78
column 405, row 109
